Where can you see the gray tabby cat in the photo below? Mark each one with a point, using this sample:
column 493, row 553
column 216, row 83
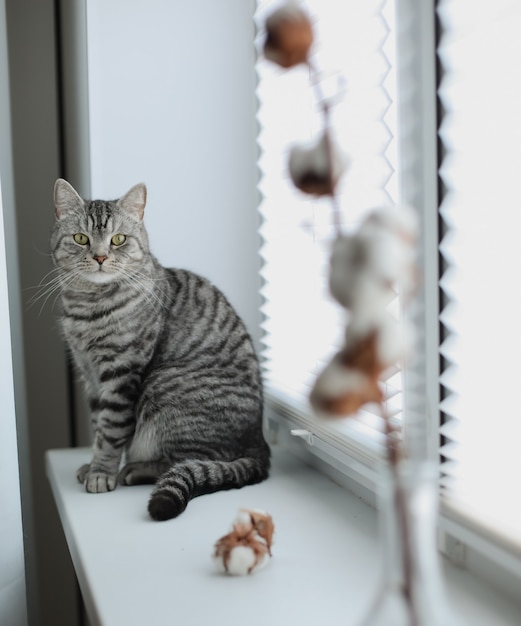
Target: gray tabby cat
column 169, row 369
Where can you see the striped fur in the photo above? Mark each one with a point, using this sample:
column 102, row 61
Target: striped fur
column 169, row 370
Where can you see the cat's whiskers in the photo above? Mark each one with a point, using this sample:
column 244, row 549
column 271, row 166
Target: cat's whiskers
column 48, row 288
column 54, row 286
column 42, row 284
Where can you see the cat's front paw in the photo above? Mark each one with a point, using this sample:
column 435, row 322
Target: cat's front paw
column 82, row 472
column 99, row 482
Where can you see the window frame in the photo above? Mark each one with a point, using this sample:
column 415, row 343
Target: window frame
column 464, row 537
column 419, row 145
column 343, row 440
column 460, row 538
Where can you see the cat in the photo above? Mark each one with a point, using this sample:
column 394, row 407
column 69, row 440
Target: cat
column 169, row 370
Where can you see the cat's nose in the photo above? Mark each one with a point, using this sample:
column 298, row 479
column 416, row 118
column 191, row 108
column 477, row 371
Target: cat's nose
column 100, row 259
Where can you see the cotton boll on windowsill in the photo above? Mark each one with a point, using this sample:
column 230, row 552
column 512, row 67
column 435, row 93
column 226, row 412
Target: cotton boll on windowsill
column 247, row 548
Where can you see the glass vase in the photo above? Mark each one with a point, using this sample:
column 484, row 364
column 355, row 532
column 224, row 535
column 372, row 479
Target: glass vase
column 411, row 592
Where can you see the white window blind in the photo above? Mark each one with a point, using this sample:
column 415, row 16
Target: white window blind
column 355, row 48
column 480, row 94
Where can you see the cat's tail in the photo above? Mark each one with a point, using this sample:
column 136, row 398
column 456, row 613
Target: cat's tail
column 188, row 479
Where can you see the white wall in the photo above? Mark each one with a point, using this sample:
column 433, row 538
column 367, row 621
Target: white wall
column 172, row 104
column 12, row 568
column 13, row 611
column 31, row 148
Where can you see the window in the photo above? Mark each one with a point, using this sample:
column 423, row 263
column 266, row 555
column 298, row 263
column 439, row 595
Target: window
column 302, row 323
column 480, row 135
column 429, row 116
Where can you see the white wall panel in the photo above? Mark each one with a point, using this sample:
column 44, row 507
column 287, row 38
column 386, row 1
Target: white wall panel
column 172, row 104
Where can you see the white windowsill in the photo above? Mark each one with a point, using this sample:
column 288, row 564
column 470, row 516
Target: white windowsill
column 325, row 564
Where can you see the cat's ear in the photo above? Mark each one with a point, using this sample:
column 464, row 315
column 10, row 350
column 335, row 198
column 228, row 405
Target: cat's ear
column 66, row 198
column 134, row 201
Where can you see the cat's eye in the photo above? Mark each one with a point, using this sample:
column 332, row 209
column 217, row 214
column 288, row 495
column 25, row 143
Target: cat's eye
column 119, row 239
column 80, row 238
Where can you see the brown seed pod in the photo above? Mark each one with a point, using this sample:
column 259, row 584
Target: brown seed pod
column 289, row 36
column 316, row 168
column 350, row 380
column 263, row 524
column 363, row 356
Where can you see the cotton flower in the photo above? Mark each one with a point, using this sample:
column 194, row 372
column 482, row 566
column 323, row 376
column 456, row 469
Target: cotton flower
column 247, row 548
column 369, row 267
column 289, row 36
column 365, row 270
column 391, row 232
column 351, row 280
column 316, row 168
column 340, row 390
column 351, row 378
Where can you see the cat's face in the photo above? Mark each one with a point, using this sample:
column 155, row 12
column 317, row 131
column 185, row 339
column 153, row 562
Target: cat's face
column 99, row 241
